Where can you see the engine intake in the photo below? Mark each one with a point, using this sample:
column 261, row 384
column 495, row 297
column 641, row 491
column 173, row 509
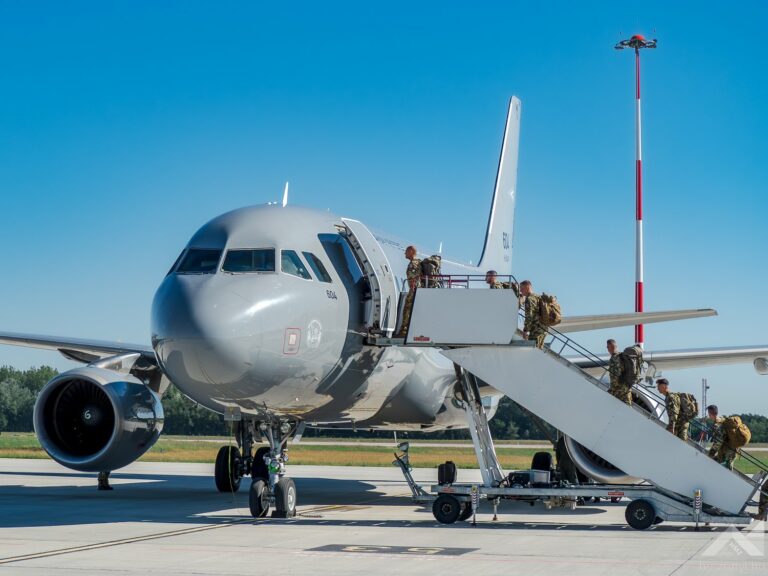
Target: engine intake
column 92, row 419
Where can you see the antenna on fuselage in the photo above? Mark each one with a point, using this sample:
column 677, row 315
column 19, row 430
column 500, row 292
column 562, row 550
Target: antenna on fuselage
column 285, row 195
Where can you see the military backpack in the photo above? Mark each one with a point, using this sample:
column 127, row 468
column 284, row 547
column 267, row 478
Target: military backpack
column 737, row 434
column 549, row 311
column 689, row 407
column 632, row 362
column 430, row 267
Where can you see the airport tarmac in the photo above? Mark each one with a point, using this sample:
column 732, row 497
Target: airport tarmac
column 167, row 518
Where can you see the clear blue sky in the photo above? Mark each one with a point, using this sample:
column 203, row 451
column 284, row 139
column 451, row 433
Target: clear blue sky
column 125, row 126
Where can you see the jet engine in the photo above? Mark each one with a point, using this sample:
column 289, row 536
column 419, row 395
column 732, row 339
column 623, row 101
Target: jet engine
column 599, row 469
column 761, row 366
column 93, row 419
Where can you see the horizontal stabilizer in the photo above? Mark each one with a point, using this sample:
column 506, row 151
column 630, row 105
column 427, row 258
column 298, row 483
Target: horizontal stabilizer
column 600, row 321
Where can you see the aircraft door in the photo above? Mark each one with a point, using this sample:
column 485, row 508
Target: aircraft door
column 383, row 311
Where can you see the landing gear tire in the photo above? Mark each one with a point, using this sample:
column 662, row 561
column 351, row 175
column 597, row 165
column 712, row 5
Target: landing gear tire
column 258, row 498
column 640, row 514
column 446, row 509
column 259, row 467
column 227, row 470
column 466, row 512
column 285, row 499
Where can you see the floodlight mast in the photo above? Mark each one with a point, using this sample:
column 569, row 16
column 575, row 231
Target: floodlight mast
column 638, row 42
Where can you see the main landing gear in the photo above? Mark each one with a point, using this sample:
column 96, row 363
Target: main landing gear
column 269, row 486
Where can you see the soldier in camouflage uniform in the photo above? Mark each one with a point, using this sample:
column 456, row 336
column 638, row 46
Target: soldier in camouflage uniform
column 678, row 424
column 565, row 465
column 413, row 276
column 720, row 451
column 532, row 329
column 619, row 387
column 762, row 504
column 494, row 283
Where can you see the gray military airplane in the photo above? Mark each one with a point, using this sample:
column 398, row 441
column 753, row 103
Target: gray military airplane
column 265, row 318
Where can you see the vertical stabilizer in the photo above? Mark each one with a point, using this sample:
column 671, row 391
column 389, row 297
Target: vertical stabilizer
column 497, row 250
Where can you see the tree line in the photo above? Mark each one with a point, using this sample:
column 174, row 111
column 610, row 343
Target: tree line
column 19, row 389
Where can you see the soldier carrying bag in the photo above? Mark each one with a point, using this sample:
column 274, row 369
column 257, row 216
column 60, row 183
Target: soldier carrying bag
column 737, row 434
column 549, row 311
column 430, row 267
column 632, row 361
column 689, row 407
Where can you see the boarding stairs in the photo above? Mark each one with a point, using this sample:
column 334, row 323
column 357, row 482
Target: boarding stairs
column 478, row 331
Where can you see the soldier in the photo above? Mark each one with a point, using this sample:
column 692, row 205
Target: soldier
column 413, row 277
column 493, row 282
column 720, row 450
column 619, row 387
column 678, row 418
column 565, row 465
column 762, row 504
column 532, row 329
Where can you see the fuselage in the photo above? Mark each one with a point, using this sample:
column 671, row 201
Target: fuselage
column 266, row 309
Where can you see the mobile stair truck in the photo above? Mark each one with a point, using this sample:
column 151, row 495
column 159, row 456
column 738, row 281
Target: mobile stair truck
column 477, row 330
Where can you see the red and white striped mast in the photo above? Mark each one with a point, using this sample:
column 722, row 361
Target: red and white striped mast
column 638, row 42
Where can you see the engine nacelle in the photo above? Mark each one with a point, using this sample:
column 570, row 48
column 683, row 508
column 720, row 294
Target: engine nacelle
column 599, row 469
column 761, row 366
column 92, row 419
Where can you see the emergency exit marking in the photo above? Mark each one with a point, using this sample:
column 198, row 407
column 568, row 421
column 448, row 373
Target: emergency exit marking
column 405, row 550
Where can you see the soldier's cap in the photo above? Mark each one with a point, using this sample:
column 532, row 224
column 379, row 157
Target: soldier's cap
column 491, row 272
column 662, row 381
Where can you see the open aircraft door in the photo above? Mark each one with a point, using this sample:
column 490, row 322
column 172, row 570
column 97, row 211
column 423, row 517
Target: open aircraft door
column 384, row 292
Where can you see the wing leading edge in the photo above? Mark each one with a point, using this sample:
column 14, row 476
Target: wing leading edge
column 600, row 321
column 78, row 349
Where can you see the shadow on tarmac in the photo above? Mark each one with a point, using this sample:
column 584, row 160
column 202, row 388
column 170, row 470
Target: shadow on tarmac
column 157, row 498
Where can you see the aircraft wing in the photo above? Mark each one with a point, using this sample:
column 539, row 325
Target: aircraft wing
column 600, row 321
column 692, row 358
column 78, row 349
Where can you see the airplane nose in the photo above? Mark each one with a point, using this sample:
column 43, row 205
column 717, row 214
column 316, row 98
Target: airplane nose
column 207, row 332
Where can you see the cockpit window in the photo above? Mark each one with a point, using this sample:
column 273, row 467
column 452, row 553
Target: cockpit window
column 175, row 264
column 199, row 261
column 290, row 263
column 261, row 260
column 317, row 267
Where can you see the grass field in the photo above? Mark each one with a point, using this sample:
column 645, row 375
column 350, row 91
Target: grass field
column 190, row 449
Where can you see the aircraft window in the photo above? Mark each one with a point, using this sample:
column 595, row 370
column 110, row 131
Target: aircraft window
column 290, row 263
column 262, row 260
column 199, row 261
column 176, row 263
column 317, row 267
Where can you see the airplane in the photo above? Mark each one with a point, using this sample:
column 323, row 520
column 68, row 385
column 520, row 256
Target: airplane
column 264, row 318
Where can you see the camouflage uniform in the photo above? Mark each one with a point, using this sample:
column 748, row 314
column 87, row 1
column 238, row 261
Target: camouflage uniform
column 762, row 504
column 505, row 286
column 619, row 388
column 413, row 275
column 678, row 425
column 720, row 451
column 533, row 325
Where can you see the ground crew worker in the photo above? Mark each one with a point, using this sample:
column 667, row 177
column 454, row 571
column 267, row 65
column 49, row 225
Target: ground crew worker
column 532, row 329
column 413, row 277
column 619, row 387
column 494, row 283
column 678, row 421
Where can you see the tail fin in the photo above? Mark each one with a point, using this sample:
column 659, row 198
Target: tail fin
column 497, row 250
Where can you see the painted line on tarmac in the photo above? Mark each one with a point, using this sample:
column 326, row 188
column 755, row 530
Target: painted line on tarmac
column 169, row 534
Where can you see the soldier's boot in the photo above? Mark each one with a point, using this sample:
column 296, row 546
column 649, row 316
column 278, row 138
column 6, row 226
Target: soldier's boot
column 104, row 481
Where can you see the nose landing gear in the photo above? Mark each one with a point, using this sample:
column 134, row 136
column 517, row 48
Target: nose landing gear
column 269, row 486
